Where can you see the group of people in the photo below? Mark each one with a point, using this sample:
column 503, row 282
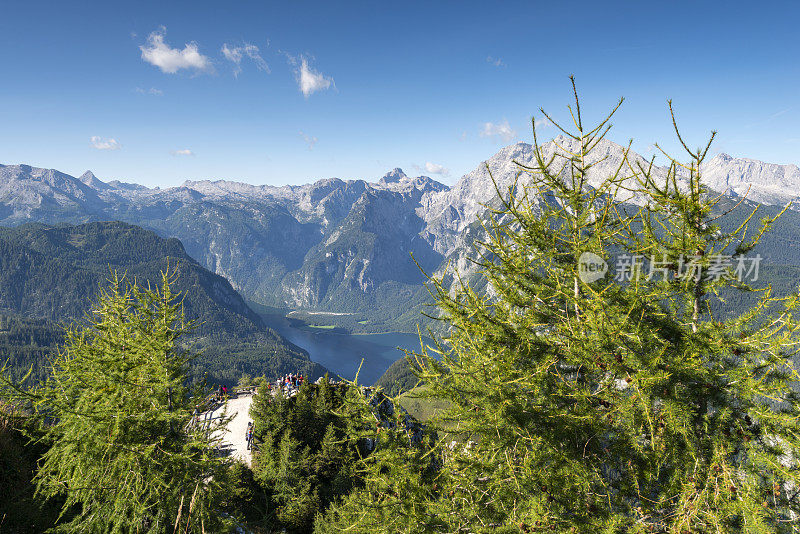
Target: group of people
column 222, row 393
column 290, row 381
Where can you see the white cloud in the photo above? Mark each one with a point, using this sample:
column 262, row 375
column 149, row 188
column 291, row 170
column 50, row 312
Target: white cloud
column 310, row 140
column 435, row 168
column 496, row 61
column 432, row 168
column 183, row 152
column 171, row 60
column 152, row 91
column 309, row 80
column 234, row 54
column 502, row 130
column 104, row 143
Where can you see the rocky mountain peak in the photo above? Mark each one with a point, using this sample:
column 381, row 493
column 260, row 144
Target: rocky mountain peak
column 393, row 176
column 322, row 188
column 88, row 178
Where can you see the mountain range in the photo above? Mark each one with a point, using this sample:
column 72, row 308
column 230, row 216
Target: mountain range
column 339, row 245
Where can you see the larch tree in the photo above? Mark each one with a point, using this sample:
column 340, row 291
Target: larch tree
column 124, row 450
column 532, row 366
column 722, row 415
column 594, row 400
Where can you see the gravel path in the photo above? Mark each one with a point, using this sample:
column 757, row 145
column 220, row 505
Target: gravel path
column 234, row 443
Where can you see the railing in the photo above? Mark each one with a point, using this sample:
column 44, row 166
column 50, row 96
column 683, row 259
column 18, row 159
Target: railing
column 249, row 390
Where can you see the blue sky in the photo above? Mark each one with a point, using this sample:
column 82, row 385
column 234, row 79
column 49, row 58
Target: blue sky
column 151, row 92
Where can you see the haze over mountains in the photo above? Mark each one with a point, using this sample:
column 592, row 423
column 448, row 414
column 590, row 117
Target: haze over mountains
column 333, row 245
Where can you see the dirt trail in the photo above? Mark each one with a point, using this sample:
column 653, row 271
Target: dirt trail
column 234, row 442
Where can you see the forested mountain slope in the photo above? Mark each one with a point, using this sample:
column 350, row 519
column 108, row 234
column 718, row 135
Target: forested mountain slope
column 54, row 273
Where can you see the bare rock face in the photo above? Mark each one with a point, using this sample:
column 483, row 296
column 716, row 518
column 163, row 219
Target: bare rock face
column 449, row 213
column 766, row 183
column 341, row 244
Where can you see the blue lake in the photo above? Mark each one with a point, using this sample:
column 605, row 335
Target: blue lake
column 342, row 353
